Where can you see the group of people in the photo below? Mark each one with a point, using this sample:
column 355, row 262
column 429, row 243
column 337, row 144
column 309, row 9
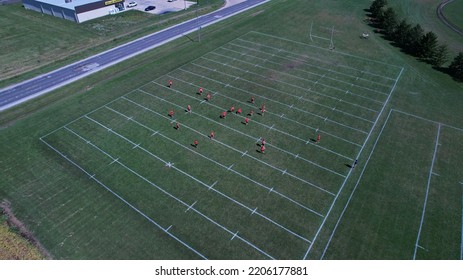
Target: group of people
column 223, row 115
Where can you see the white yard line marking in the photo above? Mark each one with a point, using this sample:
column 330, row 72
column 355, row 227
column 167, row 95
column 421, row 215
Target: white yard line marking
column 128, row 204
column 348, row 175
column 210, row 187
column 333, row 51
column 177, row 199
column 281, row 116
column 427, row 192
column 191, row 206
column 282, row 92
column 307, row 80
column 225, row 167
column 278, row 102
column 241, row 133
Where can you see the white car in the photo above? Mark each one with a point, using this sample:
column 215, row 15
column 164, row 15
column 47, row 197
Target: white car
column 132, row 4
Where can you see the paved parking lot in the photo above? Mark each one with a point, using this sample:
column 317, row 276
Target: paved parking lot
column 162, row 6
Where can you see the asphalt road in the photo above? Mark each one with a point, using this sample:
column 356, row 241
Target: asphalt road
column 16, row 94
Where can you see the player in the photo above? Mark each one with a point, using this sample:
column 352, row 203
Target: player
column 188, row 109
column 232, row 109
column 355, row 163
column 252, row 100
column 262, row 109
column 262, row 149
column 263, row 142
column 212, row 135
column 170, row 83
column 246, row 121
column 251, row 113
column 208, row 97
column 171, row 113
column 239, row 111
column 195, row 143
column 223, row 115
column 318, row 138
column 200, row 91
column 177, row 126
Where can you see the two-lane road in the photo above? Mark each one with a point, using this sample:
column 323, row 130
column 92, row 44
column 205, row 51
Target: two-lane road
column 15, row 94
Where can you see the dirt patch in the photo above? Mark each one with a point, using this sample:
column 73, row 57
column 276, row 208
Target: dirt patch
column 15, row 224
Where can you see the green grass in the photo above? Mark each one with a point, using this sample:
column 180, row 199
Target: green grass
column 33, row 43
column 453, row 11
column 75, row 217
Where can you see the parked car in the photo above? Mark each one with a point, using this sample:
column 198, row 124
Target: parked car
column 132, row 4
column 150, row 8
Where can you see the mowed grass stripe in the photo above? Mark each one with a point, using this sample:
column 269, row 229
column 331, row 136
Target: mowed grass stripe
column 386, row 227
column 74, row 148
column 286, row 83
column 281, row 110
column 274, row 88
column 277, row 107
column 251, row 224
column 149, row 196
column 237, row 126
column 442, row 226
column 294, row 71
column 209, row 187
column 287, row 61
column 228, row 157
column 253, row 196
column 347, row 62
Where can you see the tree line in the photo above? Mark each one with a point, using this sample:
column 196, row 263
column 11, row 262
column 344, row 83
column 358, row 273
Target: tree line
column 413, row 39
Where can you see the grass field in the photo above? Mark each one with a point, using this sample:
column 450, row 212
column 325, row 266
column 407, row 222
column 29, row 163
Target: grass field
column 453, row 11
column 40, row 43
column 102, row 173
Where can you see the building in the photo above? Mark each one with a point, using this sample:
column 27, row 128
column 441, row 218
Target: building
column 75, row 10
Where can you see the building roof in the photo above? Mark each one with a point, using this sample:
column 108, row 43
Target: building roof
column 71, row 3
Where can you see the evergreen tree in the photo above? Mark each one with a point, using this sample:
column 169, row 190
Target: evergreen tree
column 456, row 67
column 402, row 31
column 440, row 56
column 376, row 7
column 388, row 21
column 413, row 40
column 428, row 46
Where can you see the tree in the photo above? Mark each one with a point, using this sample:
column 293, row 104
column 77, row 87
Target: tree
column 413, row 39
column 456, row 67
column 440, row 56
column 376, row 7
column 428, row 46
column 388, row 21
column 402, row 31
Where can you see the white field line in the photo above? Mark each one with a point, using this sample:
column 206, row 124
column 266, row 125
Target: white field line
column 303, row 58
column 209, row 187
column 428, row 120
column 269, row 112
column 355, row 187
column 253, row 137
column 427, row 191
column 280, row 91
column 286, row 83
column 263, row 162
column 350, row 171
column 165, row 192
column 227, row 167
column 333, row 51
column 306, row 62
column 287, row 152
column 321, row 76
column 308, row 90
column 125, row 201
column 275, row 101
